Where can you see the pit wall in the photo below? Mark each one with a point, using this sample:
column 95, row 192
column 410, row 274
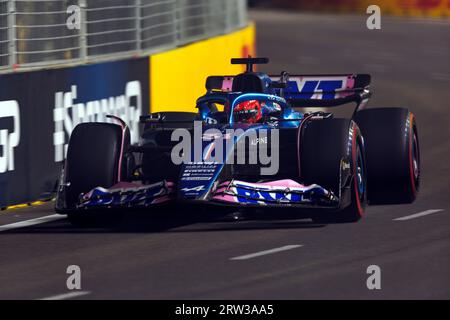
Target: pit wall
column 40, row 109
column 403, row 8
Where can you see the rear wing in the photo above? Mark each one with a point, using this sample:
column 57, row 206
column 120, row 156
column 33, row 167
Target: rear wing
column 323, row 90
column 219, row 83
column 309, row 90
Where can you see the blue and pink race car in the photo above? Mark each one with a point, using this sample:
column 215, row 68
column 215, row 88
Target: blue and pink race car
column 257, row 141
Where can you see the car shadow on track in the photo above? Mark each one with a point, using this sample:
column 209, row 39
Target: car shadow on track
column 174, row 221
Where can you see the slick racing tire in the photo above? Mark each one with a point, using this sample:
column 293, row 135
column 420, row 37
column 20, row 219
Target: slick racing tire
column 324, row 145
column 93, row 159
column 393, row 155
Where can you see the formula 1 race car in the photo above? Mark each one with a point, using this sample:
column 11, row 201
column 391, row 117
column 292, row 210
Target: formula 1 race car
column 250, row 146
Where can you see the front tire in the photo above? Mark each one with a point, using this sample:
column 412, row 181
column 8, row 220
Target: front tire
column 358, row 194
column 93, row 160
column 325, row 145
column 355, row 210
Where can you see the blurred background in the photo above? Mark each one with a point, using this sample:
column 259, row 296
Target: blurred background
column 418, row 8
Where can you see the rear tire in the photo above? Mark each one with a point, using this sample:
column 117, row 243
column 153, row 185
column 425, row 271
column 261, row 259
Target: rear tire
column 393, row 154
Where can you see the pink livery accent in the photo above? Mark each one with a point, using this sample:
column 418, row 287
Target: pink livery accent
column 350, row 82
column 227, row 84
column 124, row 186
column 278, row 191
column 123, row 126
column 287, row 183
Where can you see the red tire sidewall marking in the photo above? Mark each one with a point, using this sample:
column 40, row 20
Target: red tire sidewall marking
column 355, row 179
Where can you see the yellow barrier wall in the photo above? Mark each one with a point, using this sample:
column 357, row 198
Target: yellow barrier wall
column 177, row 77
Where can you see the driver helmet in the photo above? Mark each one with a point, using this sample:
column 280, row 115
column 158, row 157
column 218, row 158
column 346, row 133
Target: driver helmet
column 248, row 112
column 253, row 111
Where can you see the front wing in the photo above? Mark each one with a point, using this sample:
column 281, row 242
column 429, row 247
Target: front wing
column 128, row 195
column 275, row 193
column 279, row 193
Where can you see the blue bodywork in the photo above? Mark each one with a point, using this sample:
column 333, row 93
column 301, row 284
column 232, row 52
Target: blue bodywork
column 203, row 180
column 200, row 188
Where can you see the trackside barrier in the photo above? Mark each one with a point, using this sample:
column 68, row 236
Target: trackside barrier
column 39, row 109
column 40, row 33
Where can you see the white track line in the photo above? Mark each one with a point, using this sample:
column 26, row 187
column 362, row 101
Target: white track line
column 32, row 222
column 418, row 215
column 68, row 295
column 266, row 252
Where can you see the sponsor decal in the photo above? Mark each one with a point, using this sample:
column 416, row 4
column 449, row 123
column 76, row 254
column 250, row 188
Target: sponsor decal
column 279, row 192
column 316, row 88
column 35, row 125
column 250, row 194
column 9, row 137
column 198, row 189
column 70, row 110
column 214, row 146
column 256, row 141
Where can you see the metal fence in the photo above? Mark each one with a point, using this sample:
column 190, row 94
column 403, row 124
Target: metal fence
column 41, row 33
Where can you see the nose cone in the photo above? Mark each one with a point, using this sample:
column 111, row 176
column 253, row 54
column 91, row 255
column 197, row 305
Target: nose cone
column 197, row 179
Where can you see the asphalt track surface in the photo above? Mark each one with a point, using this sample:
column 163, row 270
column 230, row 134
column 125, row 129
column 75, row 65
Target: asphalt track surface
column 187, row 256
